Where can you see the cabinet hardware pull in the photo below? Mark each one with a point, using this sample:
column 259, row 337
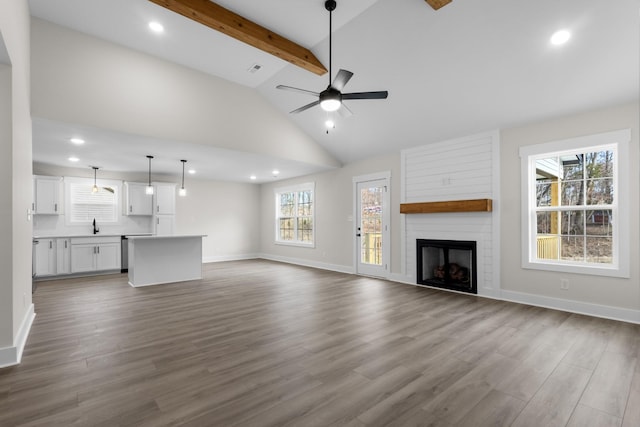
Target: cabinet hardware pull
column 130, row 208
column 50, row 244
column 158, row 208
column 65, row 244
column 55, row 207
column 33, row 207
column 98, row 249
column 158, row 221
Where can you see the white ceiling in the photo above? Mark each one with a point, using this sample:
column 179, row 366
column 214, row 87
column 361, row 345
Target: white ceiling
column 469, row 67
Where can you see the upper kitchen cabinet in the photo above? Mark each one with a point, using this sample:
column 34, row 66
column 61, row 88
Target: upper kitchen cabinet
column 164, row 198
column 138, row 202
column 47, row 195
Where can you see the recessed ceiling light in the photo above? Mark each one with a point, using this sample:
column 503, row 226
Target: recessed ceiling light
column 253, row 177
column 560, row 37
column 78, row 141
column 192, row 171
column 275, row 172
column 74, row 159
column 156, row 27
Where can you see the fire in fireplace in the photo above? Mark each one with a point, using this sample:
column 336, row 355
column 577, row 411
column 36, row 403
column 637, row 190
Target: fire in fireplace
column 449, row 264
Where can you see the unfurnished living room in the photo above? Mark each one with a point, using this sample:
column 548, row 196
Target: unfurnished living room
column 320, row 212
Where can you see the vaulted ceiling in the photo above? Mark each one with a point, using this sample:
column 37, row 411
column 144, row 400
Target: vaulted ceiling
column 467, row 67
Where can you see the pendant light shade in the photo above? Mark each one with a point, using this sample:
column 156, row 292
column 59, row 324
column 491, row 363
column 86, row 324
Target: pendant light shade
column 94, row 189
column 149, row 189
column 182, row 192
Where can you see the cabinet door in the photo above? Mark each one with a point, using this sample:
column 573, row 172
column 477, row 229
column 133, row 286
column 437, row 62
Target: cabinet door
column 108, row 256
column 164, row 224
column 83, row 258
column 47, row 196
column 138, row 201
column 45, row 257
column 165, row 199
column 63, row 256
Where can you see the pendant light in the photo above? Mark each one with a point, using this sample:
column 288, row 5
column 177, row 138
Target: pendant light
column 149, row 189
column 95, row 179
column 182, row 192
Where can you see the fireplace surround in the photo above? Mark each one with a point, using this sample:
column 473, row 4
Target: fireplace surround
column 448, row 264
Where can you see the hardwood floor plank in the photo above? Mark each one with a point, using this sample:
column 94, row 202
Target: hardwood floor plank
column 608, row 389
column 554, row 403
column 261, row 343
column 584, row 416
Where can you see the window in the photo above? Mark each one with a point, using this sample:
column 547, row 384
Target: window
column 83, row 205
column 575, row 207
column 295, row 215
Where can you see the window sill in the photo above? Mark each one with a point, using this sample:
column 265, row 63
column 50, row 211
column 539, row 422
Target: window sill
column 590, row 270
column 297, row 244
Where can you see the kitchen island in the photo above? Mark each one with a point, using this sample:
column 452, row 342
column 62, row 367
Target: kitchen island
column 154, row 260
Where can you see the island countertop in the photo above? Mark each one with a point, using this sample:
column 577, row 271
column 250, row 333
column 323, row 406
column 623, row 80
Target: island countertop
column 164, row 236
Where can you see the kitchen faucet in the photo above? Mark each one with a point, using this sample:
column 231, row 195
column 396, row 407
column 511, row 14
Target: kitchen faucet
column 95, row 229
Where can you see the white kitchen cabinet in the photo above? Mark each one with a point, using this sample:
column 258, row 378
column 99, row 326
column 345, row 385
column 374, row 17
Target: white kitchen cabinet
column 138, row 202
column 45, row 257
column 95, row 254
column 164, row 224
column 47, row 190
column 164, row 198
column 63, row 256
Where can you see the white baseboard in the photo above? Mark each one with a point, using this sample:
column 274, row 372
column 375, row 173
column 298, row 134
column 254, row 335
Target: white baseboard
column 307, row 263
column 223, row 258
column 10, row 356
column 596, row 310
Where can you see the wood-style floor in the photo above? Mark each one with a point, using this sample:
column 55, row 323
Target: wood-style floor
column 258, row 343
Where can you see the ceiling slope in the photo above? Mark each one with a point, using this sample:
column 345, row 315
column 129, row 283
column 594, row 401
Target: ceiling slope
column 220, row 19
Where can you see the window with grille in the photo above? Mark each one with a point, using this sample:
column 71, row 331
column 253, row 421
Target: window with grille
column 295, row 215
column 83, row 205
column 575, row 205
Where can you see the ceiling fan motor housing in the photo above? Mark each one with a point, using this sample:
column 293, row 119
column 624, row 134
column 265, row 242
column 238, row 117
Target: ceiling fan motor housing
column 330, row 5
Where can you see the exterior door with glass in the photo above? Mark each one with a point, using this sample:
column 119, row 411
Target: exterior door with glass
column 372, row 227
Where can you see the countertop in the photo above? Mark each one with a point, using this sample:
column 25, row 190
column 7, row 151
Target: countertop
column 68, row 236
column 165, row 236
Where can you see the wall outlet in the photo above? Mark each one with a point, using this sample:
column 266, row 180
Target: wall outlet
column 564, row 284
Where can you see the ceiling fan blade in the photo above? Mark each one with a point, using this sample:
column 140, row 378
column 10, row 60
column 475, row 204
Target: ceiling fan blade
column 344, row 111
column 295, row 89
column 342, row 78
column 366, row 95
column 305, row 107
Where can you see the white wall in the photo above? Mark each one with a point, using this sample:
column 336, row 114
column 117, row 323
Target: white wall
column 15, row 143
column 228, row 213
column 335, row 229
column 85, row 80
column 461, row 169
column 611, row 297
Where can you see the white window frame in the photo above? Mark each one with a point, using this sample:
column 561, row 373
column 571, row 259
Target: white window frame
column 618, row 141
column 309, row 186
column 89, row 182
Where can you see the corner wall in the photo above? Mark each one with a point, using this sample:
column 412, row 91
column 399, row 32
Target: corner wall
column 15, row 146
column 596, row 295
column 334, row 211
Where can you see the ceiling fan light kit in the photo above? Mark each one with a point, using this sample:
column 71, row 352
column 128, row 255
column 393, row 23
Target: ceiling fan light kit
column 331, row 98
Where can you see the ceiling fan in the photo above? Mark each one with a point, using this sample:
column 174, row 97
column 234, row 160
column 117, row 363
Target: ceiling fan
column 331, row 98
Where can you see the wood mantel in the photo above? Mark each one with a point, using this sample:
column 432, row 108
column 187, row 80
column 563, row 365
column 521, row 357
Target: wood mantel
column 476, row 205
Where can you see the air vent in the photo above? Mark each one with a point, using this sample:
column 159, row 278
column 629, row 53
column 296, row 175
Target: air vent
column 254, row 68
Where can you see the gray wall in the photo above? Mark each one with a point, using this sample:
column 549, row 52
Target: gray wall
column 614, row 292
column 15, row 143
column 334, row 245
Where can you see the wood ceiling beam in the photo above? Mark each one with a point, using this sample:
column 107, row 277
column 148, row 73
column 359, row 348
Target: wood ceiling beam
column 218, row 18
column 437, row 4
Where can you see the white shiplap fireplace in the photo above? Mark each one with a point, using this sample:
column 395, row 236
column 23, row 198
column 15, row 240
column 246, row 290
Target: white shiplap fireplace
column 461, row 169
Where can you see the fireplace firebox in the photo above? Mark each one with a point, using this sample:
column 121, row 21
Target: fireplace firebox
column 449, row 264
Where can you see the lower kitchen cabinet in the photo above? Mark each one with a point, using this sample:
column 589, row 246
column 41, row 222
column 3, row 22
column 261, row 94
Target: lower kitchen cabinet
column 95, row 254
column 63, row 256
column 45, row 257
